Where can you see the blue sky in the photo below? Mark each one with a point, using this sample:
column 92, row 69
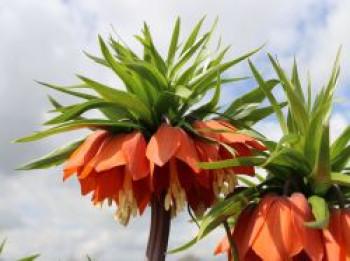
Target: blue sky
column 44, row 40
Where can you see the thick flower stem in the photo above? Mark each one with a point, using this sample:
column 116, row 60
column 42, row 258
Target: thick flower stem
column 159, row 234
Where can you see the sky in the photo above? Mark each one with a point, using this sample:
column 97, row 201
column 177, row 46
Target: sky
column 44, row 40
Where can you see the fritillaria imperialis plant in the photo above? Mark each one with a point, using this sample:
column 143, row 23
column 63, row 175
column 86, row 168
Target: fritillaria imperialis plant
column 300, row 211
column 143, row 150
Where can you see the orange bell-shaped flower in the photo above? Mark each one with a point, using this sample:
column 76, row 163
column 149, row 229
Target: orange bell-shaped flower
column 114, row 167
column 275, row 231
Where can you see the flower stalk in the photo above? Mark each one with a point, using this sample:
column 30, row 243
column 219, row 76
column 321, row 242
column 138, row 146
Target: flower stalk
column 159, row 233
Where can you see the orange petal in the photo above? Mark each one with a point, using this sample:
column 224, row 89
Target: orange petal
column 204, row 177
column 332, row 236
column 259, row 218
column 241, row 151
column 187, row 151
column 243, row 228
column 345, row 216
column 134, row 149
column 207, row 151
column 108, row 184
column 227, row 132
column 87, row 185
column 227, row 124
column 256, row 145
column 89, row 168
column 163, row 144
column 69, row 172
column 228, row 135
column 222, row 247
column 276, row 233
column 85, row 152
column 142, row 193
column 310, row 239
column 111, row 155
column 205, row 130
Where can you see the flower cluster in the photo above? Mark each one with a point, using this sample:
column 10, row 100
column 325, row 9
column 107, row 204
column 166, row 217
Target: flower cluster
column 125, row 169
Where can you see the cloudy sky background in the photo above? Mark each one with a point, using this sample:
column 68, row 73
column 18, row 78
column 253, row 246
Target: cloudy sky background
column 44, row 40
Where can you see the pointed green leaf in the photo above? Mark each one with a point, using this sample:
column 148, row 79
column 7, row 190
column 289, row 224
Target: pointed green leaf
column 121, row 98
column 340, row 179
column 151, row 54
column 341, row 160
column 241, row 161
column 69, row 91
column 75, row 111
column 228, row 208
column 213, row 83
column 97, row 60
column 322, row 169
column 290, row 159
column 54, row 103
column 309, row 93
column 188, row 55
column 193, row 36
column 55, row 158
column 211, row 105
column 270, row 97
column 183, row 91
column 259, row 114
column 131, row 83
column 124, row 53
column 296, row 81
column 183, row 247
column 297, row 106
column 174, row 42
column 340, row 143
column 202, row 80
column 150, row 73
column 257, row 95
column 30, row 258
column 2, row 246
column 78, row 124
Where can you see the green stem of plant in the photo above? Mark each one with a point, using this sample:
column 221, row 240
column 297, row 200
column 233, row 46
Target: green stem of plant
column 233, row 247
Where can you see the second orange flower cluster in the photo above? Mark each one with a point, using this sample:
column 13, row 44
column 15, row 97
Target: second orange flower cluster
column 128, row 170
column 275, row 230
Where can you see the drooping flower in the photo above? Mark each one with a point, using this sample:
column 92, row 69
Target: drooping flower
column 275, row 231
column 114, row 168
column 337, row 235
